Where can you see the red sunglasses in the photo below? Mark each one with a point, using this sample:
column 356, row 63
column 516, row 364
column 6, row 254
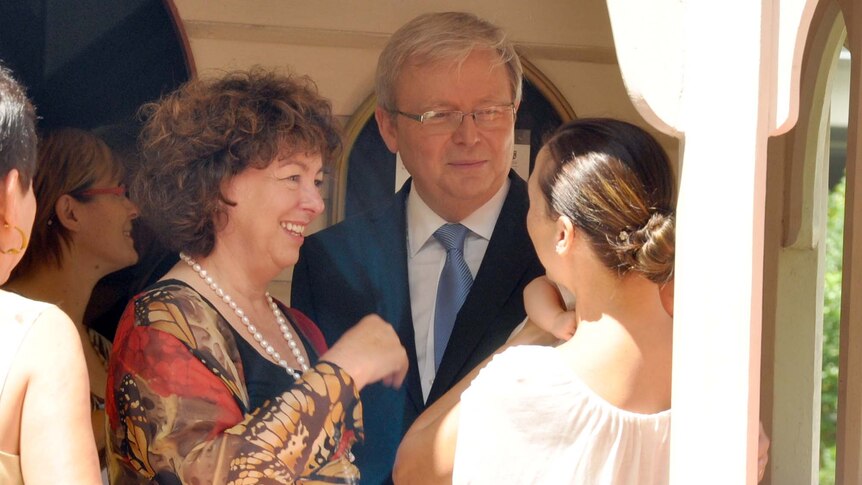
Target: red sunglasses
column 119, row 190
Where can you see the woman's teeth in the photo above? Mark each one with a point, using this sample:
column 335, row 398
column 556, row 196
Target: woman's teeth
column 295, row 228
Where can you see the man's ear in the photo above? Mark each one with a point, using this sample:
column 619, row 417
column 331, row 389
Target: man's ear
column 65, row 210
column 386, row 125
column 565, row 235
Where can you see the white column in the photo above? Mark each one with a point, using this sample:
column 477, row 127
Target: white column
column 735, row 84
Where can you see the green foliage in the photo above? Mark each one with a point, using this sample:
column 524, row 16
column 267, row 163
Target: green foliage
column 831, row 321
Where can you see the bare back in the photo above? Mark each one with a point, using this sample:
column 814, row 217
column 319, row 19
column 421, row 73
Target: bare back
column 629, row 366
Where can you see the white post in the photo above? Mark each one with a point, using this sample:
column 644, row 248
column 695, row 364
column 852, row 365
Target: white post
column 731, row 83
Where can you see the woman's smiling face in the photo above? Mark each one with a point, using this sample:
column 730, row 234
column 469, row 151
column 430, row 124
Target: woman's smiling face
column 106, row 229
column 274, row 205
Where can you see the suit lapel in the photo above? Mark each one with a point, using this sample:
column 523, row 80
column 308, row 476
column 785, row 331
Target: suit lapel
column 502, row 267
column 388, row 242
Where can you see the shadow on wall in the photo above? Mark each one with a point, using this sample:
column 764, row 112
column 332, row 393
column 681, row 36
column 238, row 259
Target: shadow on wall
column 90, row 64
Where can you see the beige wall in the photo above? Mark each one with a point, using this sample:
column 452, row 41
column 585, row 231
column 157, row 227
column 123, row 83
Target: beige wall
column 337, row 44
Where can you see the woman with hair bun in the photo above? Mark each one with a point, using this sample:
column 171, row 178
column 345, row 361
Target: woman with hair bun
column 596, row 408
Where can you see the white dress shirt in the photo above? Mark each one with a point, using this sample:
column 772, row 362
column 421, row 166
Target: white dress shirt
column 425, row 260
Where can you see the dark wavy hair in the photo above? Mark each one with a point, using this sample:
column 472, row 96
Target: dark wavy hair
column 17, row 130
column 615, row 183
column 198, row 137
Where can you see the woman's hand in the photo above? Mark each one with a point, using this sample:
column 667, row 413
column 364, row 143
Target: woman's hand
column 370, row 352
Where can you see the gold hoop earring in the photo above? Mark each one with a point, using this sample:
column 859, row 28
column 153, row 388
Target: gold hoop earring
column 23, row 242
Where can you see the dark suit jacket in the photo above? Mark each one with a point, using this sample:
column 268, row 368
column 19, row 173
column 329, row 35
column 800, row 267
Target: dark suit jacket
column 359, row 266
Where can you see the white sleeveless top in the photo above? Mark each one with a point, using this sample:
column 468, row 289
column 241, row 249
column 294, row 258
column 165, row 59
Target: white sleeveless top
column 528, row 418
column 17, row 315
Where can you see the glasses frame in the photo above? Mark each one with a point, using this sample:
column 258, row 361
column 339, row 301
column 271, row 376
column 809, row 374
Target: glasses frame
column 423, row 117
column 120, row 191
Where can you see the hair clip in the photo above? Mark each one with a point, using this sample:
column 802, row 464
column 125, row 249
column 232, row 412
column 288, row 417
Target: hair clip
column 624, row 236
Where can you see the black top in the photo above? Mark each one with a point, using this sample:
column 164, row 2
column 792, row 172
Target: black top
column 263, row 378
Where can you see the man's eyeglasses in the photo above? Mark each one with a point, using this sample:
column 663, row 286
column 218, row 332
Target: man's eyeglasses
column 119, row 191
column 440, row 122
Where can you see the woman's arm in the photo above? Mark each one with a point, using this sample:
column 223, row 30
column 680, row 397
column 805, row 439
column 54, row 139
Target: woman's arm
column 56, row 437
column 427, row 452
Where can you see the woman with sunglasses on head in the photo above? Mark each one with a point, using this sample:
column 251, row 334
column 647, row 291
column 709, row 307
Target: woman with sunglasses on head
column 82, row 232
column 45, row 437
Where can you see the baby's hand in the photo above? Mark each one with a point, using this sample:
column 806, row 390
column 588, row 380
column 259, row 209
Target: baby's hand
column 564, row 325
column 547, row 310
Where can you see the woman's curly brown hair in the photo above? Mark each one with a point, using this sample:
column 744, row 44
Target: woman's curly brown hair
column 207, row 131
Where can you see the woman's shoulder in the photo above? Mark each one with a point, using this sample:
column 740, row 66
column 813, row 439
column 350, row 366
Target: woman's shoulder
column 536, row 372
column 20, row 309
column 18, row 317
column 52, row 329
column 169, row 289
column 170, row 322
column 524, row 361
column 174, row 307
column 524, row 371
column 172, row 299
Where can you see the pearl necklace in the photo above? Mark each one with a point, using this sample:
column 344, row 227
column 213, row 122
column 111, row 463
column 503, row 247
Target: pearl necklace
column 258, row 337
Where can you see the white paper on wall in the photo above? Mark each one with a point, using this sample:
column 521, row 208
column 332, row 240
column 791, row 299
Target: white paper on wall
column 401, row 173
column 521, row 160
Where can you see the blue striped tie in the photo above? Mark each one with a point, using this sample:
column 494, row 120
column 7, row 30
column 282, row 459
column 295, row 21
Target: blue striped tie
column 455, row 281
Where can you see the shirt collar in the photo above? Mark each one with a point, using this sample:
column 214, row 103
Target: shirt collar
column 422, row 221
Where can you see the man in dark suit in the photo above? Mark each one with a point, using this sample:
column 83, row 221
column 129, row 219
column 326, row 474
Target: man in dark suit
column 448, row 88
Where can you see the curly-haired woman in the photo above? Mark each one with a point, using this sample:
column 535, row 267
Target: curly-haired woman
column 211, row 379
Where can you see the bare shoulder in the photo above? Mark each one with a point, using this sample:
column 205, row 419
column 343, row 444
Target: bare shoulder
column 53, row 347
column 55, row 360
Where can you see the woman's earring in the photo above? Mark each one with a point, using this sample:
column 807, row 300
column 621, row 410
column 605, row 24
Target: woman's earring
column 23, row 242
